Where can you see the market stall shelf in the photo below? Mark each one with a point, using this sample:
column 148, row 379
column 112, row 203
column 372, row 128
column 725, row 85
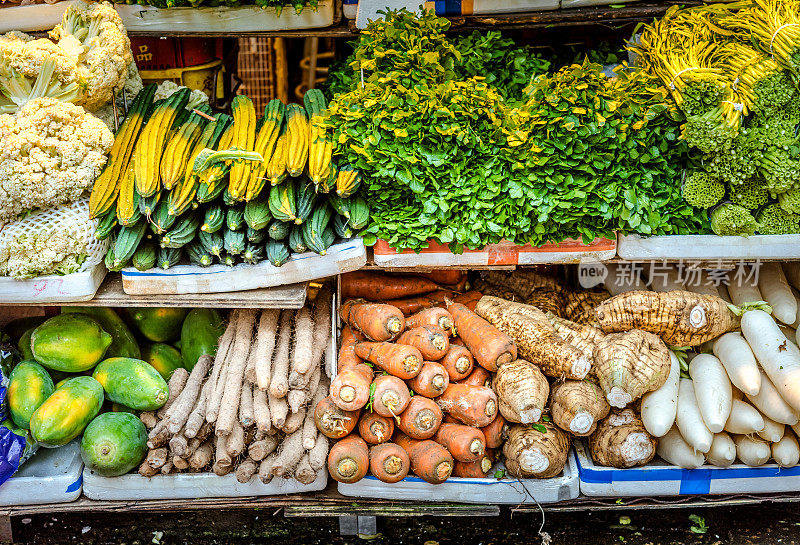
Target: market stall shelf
column 79, row 286
column 508, row 490
column 502, row 254
column 50, row 476
column 659, row 478
column 346, row 256
column 635, row 247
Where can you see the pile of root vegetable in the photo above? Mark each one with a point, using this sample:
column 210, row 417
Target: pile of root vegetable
column 249, row 410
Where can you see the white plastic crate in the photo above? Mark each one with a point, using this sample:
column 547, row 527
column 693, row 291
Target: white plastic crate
column 346, row 256
column 190, row 485
column 509, row 490
column 635, row 247
column 658, row 478
column 52, row 475
column 79, row 286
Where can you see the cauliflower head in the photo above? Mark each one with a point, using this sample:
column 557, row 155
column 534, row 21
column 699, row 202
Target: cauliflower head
column 94, row 36
column 167, row 88
column 50, row 251
column 51, row 154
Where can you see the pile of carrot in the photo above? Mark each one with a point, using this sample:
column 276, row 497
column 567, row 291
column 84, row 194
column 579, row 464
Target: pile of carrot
column 250, row 409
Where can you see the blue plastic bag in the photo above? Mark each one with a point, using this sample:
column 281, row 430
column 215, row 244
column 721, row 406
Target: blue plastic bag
column 16, row 444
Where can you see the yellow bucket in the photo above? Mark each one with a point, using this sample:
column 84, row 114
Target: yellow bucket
column 203, row 77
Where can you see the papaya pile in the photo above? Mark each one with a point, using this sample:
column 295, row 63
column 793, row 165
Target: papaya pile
column 90, row 370
column 226, row 189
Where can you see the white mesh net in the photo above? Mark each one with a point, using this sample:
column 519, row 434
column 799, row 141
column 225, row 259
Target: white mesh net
column 45, row 230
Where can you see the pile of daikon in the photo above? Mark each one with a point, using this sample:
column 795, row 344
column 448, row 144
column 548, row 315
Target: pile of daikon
column 250, row 408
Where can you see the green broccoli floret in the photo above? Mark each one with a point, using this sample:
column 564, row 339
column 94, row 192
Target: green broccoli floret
column 701, row 190
column 774, row 220
column 732, row 220
column 751, row 194
column 790, row 200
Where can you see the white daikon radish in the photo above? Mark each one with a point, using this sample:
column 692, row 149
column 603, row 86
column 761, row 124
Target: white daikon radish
column 712, row 388
column 743, row 290
column 771, row 404
column 624, row 279
column 701, row 282
column 723, row 450
column 673, row 449
column 789, row 332
column 786, row 452
column 736, row 356
column 773, row 431
column 776, row 291
column 689, row 420
column 751, row 450
column 792, row 271
column 744, row 418
column 779, row 358
column 664, row 279
column 660, row 406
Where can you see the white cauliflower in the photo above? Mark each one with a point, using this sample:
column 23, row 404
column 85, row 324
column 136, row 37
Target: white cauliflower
column 39, row 253
column 51, row 154
column 133, row 85
column 167, row 88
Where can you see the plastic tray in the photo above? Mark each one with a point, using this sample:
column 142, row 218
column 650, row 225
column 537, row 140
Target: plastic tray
column 79, row 286
column 709, row 247
column 346, row 256
column 659, row 478
column 52, row 475
column 223, row 19
column 190, row 485
column 439, row 255
column 494, row 491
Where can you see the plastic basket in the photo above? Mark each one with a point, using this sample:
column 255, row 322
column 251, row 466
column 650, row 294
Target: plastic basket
column 262, row 68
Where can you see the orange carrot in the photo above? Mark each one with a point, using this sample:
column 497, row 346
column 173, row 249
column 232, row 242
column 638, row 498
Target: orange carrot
column 431, row 381
column 375, row 321
column 389, row 462
column 458, row 362
column 469, row 299
column 457, row 340
column 448, row 419
column 472, row 405
column 350, row 388
column 496, row 432
column 431, row 340
column 431, row 316
column 332, row 421
column 347, row 355
column 375, row 429
column 421, row 419
column 448, row 277
column 379, row 286
column 465, row 443
column 348, row 460
column 490, row 346
column 396, row 359
column 478, row 377
column 390, row 395
column 430, row 461
column 412, row 305
column 479, row 469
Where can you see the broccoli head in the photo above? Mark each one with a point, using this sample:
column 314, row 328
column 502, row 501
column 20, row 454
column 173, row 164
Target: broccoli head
column 729, row 219
column 774, row 220
column 790, row 200
column 701, row 190
column 751, row 194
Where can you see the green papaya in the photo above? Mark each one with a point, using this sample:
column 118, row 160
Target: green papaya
column 113, row 444
column 28, row 387
column 163, row 357
column 133, row 383
column 67, row 412
column 120, row 408
column 24, row 344
column 62, row 382
column 158, row 324
column 70, row 342
column 200, row 335
column 16, row 328
column 123, row 344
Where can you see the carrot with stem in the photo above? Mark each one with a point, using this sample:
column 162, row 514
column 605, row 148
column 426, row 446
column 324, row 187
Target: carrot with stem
column 377, row 322
column 431, row 340
column 389, row 462
column 430, row 461
column 458, row 362
column 348, row 459
column 478, row 377
column 375, row 429
column 390, row 395
column 490, row 346
column 350, row 388
column 435, row 316
column 472, row 405
column 421, row 418
column 379, row 286
column 332, row 421
column 465, row 443
column 431, row 381
column 399, row 360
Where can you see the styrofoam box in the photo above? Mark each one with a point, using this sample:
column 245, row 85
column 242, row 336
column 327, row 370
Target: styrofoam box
column 709, row 247
column 346, row 256
column 507, row 253
column 33, row 17
column 466, row 490
column 240, row 19
column 52, row 475
column 190, row 485
column 658, row 478
column 80, row 286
